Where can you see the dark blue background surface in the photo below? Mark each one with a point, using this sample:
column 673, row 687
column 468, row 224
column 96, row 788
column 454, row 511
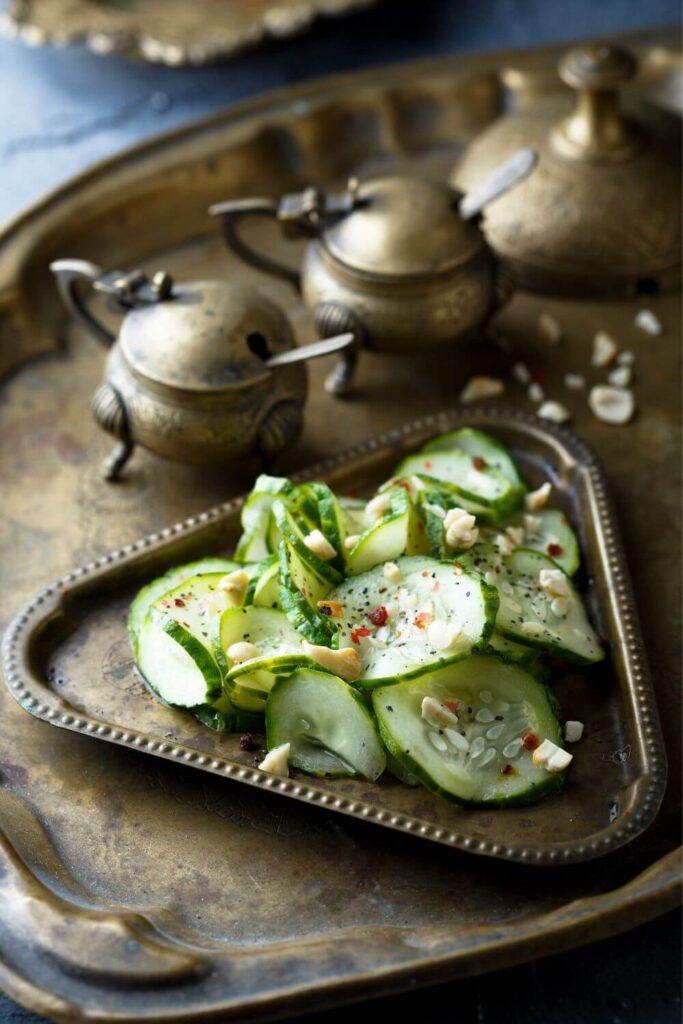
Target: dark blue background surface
column 61, row 110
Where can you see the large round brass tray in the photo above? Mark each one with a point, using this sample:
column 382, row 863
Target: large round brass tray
column 166, row 31
column 153, row 891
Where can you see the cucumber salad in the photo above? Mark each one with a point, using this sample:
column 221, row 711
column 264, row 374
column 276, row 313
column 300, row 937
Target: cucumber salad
column 412, row 633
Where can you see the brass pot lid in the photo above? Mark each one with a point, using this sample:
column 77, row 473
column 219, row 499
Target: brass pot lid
column 206, row 336
column 402, row 227
column 602, row 210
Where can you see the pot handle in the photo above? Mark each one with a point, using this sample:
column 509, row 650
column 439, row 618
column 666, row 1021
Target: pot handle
column 69, row 273
column 231, row 212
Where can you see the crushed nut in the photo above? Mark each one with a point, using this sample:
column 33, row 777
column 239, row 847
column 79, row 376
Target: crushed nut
column 549, row 330
column 574, row 381
column 437, row 714
column 345, row 662
column 481, row 387
column 242, row 651
column 573, row 731
column 379, row 505
column 610, row 404
column 620, row 376
column 443, row 636
column 392, row 571
column 276, row 760
column 551, row 757
column 605, row 349
column 235, row 584
column 520, row 371
column 532, row 524
column 461, row 529
column 319, row 545
column 648, row 322
column 554, row 582
column 536, row 500
column 626, row 358
column 535, row 392
column 554, row 411
column 351, row 541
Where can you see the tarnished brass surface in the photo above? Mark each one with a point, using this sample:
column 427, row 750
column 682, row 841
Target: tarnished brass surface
column 165, row 31
column 244, row 902
column 601, row 213
column 609, row 801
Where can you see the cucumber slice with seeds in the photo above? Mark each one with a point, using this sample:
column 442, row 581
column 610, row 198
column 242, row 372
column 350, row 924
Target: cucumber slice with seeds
column 330, row 730
column 479, row 445
column 486, row 487
column 405, row 627
column 554, row 538
column 481, row 759
column 525, row 614
column 150, row 593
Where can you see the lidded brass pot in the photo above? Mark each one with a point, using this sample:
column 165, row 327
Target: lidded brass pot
column 601, row 214
column 202, row 372
column 398, row 261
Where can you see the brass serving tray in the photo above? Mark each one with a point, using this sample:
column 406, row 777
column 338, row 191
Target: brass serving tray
column 150, row 890
column 56, row 648
column 166, row 31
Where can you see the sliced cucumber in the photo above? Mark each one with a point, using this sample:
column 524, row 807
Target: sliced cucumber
column 146, row 597
column 482, row 759
column 330, row 518
column 279, row 644
column 290, row 527
column 526, row 614
column 555, row 538
column 196, row 606
column 177, row 665
column 354, row 515
column 300, row 592
column 478, row 445
column 223, row 716
column 330, row 730
column 257, row 541
column 509, row 650
column 264, row 586
column 395, row 534
column 429, row 597
column 486, row 487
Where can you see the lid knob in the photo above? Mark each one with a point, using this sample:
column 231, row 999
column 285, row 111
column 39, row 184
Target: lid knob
column 597, row 131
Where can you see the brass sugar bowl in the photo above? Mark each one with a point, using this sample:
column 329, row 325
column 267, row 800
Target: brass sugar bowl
column 601, row 214
column 202, row 372
column 398, row 261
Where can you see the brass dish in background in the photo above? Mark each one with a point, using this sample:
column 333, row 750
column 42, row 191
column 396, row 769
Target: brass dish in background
column 96, row 834
column 601, row 213
column 165, row 31
column 64, row 632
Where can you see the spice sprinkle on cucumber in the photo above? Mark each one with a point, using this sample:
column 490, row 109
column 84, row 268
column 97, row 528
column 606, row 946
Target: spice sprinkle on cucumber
column 405, row 636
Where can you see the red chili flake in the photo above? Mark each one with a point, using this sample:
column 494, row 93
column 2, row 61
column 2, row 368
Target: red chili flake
column 359, row 632
column 626, row 814
column 452, row 705
column 378, row 616
column 178, row 602
column 247, row 741
column 435, row 585
column 507, row 769
column 424, row 574
column 427, row 464
column 530, row 740
column 422, row 619
column 478, row 462
column 555, row 550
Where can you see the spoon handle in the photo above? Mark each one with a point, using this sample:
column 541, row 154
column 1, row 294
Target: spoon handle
column 500, row 180
column 313, row 351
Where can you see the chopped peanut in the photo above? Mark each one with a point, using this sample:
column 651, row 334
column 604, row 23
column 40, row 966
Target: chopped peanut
column 319, row 545
column 242, row 651
column 276, row 760
column 345, row 662
column 235, row 586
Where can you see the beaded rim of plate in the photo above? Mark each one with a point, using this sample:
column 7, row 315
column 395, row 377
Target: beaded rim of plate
column 22, row 681
column 151, row 35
